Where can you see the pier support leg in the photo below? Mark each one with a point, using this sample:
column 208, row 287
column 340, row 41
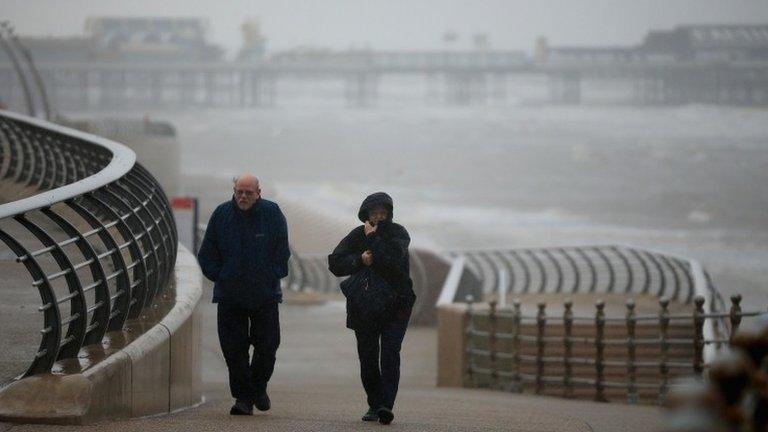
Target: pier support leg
column 361, row 89
column 565, row 88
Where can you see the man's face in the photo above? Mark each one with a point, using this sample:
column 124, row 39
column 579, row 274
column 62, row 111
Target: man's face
column 377, row 214
column 246, row 194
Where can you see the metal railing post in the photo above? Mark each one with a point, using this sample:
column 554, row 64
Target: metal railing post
column 600, row 352
column 698, row 335
column 78, row 313
column 470, row 340
column 517, row 383
column 631, row 353
column 49, row 345
column 663, row 350
column 541, row 323
column 568, row 349
column 492, row 344
column 100, row 318
column 735, row 314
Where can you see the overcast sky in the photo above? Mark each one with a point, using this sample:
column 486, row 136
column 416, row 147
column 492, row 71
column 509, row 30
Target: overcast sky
column 399, row 24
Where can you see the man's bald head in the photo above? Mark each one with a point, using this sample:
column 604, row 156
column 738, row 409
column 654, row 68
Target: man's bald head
column 247, row 191
column 247, row 180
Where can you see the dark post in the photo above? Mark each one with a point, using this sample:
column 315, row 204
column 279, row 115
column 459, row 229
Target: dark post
column 735, row 314
column 470, row 339
column 492, row 346
column 568, row 349
column 600, row 352
column 517, row 384
column 698, row 337
column 541, row 322
column 664, row 350
column 631, row 351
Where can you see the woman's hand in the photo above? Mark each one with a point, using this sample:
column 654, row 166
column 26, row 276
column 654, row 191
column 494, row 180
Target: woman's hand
column 369, row 229
column 367, row 258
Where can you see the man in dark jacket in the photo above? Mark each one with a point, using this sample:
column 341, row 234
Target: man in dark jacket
column 245, row 252
column 381, row 245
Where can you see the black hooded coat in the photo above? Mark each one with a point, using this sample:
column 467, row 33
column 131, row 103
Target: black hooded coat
column 389, row 247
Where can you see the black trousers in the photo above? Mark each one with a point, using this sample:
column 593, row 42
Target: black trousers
column 379, row 353
column 239, row 329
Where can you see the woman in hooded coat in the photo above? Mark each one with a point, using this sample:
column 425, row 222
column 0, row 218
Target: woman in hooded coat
column 381, row 245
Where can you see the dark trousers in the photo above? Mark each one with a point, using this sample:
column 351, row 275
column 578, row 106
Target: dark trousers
column 379, row 353
column 239, row 328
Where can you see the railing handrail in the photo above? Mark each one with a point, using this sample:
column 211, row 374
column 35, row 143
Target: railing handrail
column 452, row 281
column 510, row 313
column 99, row 224
column 700, row 284
column 571, row 271
column 123, row 159
column 572, row 246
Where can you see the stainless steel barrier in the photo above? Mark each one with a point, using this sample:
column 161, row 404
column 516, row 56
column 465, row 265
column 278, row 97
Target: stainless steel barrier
column 95, row 232
column 591, row 269
column 632, row 355
column 595, row 269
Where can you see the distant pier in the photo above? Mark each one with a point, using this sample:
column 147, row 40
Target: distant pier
column 719, row 64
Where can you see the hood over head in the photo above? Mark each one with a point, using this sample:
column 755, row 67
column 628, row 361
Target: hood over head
column 373, row 200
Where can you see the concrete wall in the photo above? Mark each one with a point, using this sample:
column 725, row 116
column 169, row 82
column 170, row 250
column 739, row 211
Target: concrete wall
column 151, row 367
column 452, row 320
column 432, row 281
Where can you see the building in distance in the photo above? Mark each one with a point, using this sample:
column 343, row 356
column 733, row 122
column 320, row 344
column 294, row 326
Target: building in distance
column 151, row 39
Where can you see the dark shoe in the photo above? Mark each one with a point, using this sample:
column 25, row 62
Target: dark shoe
column 262, row 402
column 241, row 408
column 371, row 415
column 385, row 415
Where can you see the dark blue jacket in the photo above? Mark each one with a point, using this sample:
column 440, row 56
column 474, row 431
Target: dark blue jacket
column 246, row 253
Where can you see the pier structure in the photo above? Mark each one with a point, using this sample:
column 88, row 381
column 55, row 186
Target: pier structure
column 136, row 65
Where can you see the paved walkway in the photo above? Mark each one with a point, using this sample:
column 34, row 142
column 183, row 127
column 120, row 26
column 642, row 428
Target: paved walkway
column 316, row 387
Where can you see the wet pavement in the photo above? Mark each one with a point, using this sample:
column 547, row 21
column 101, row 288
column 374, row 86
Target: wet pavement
column 316, row 387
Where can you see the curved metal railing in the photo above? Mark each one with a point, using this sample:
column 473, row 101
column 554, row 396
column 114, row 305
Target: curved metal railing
column 309, row 272
column 97, row 235
column 635, row 353
column 608, row 269
column 634, row 356
column 591, row 269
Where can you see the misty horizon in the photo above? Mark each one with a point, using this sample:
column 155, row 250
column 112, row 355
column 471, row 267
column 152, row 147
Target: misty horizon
column 343, row 24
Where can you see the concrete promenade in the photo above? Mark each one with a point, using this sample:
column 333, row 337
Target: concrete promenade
column 316, row 387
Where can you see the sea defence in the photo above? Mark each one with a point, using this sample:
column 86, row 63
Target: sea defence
column 606, row 323
column 151, row 366
column 117, row 323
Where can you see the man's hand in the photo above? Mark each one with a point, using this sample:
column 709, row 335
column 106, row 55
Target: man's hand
column 367, row 258
column 369, row 229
